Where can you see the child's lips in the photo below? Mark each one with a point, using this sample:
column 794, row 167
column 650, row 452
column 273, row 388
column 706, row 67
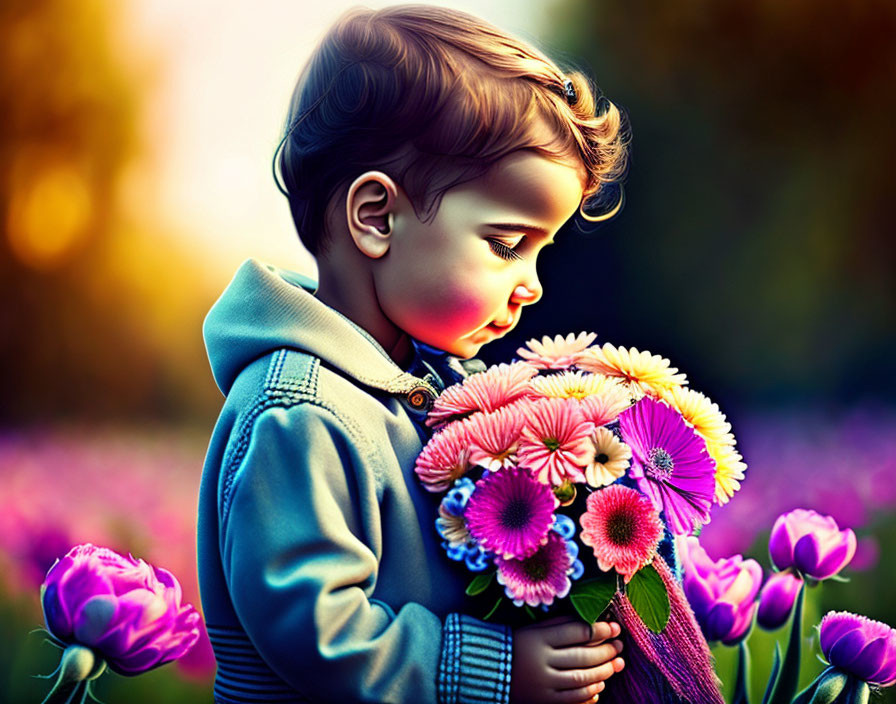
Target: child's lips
column 501, row 329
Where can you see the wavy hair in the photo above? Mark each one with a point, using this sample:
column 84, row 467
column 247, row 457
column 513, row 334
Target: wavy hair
column 433, row 97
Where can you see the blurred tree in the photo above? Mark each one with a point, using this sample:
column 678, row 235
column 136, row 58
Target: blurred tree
column 756, row 248
column 74, row 338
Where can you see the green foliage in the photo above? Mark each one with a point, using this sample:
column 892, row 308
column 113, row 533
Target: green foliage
column 647, row 593
column 786, row 678
column 480, row 583
column 591, row 597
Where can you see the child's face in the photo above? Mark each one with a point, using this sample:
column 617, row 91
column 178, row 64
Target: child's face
column 460, row 280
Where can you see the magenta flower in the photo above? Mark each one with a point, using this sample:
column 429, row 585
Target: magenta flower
column 811, row 543
column 859, row 646
column 722, row 593
column 539, row 578
column 556, row 441
column 510, row 513
column 128, row 612
column 622, row 527
column 777, row 598
column 669, row 463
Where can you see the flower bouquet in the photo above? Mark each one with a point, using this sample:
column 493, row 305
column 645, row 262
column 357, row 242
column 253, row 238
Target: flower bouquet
column 574, row 449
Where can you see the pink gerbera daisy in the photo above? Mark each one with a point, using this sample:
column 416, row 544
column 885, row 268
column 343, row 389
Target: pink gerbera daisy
column 540, row 578
column 445, row 457
column 483, row 391
column 509, row 513
column 494, row 437
column 556, row 353
column 622, row 527
column 556, row 440
column 670, row 463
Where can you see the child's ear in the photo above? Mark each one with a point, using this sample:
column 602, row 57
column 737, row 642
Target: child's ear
column 370, row 208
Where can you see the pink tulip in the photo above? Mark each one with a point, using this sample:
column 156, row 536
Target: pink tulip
column 722, row 593
column 811, row 543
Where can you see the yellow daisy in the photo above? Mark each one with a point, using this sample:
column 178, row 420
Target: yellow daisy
column 730, row 469
column 611, row 458
column 700, row 413
column 572, row 385
column 643, row 372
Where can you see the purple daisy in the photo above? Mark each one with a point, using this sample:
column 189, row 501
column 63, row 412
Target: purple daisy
column 539, row 578
column 510, row 513
column 670, row 463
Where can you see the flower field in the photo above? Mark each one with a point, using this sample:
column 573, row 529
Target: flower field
column 136, row 491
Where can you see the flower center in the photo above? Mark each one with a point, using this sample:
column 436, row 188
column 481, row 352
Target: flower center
column 551, row 443
column 602, row 458
column 620, row 528
column 516, row 514
column 536, row 567
column 659, row 464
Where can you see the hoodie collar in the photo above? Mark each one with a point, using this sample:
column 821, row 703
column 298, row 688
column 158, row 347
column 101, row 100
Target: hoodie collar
column 265, row 308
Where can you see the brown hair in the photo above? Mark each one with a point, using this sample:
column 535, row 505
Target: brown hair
column 433, row 97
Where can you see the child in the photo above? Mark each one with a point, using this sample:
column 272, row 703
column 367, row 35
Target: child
column 429, row 157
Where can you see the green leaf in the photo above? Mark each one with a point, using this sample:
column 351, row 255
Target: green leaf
column 494, row 608
column 788, row 677
column 859, row 692
column 480, row 583
column 838, row 578
column 825, row 689
column 742, row 683
column 591, row 597
column 647, row 593
column 530, row 612
column 773, row 675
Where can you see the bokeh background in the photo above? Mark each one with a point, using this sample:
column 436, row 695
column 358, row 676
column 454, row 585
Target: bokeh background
column 755, row 250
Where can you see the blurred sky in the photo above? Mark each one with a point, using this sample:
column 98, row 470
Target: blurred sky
column 221, row 79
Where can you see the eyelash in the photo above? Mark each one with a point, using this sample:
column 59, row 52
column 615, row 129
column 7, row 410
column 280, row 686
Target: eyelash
column 502, row 250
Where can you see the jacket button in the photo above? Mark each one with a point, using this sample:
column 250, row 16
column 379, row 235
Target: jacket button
column 420, row 398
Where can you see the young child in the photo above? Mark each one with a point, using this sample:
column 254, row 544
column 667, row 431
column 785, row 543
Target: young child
column 429, row 157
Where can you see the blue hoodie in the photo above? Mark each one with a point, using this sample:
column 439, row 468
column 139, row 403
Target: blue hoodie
column 320, row 569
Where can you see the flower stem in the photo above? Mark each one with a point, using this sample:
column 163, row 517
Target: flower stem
column 788, row 676
column 79, row 665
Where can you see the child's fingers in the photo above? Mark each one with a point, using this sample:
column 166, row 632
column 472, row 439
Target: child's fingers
column 584, row 656
column 580, row 695
column 575, row 679
column 576, row 632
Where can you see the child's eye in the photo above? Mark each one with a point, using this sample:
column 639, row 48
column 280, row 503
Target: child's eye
column 502, row 250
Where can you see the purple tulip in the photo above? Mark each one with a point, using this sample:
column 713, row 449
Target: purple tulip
column 860, row 647
column 777, row 598
column 811, row 543
column 128, row 612
column 722, row 593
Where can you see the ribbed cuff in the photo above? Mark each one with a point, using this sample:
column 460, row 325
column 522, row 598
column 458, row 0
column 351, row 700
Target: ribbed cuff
column 475, row 661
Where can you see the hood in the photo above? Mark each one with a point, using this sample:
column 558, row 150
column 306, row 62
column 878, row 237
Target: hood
column 265, row 309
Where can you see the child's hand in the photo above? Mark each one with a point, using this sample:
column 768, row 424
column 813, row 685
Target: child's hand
column 563, row 661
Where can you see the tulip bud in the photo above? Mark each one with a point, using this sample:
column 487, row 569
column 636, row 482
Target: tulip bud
column 777, row 598
column 811, row 543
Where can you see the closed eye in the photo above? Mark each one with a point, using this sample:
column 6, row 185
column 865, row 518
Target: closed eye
column 502, row 250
